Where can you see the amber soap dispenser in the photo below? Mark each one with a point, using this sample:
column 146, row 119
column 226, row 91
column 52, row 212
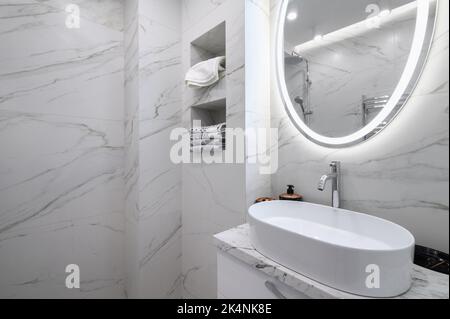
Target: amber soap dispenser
column 291, row 195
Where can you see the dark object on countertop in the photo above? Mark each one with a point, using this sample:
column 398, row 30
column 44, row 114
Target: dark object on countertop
column 432, row 259
column 290, row 195
column 264, row 199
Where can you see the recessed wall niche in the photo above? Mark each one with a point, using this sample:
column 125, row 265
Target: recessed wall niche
column 209, row 104
column 212, row 113
column 209, row 45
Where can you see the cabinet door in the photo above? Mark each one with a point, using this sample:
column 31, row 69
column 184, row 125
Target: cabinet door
column 237, row 280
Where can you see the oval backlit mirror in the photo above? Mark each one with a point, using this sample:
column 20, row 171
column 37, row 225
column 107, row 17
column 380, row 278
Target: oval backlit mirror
column 346, row 68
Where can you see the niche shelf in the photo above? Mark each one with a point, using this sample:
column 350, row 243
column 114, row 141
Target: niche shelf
column 210, row 45
column 209, row 105
column 211, row 113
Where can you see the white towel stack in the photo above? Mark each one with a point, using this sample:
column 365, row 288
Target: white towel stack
column 209, row 138
column 206, row 73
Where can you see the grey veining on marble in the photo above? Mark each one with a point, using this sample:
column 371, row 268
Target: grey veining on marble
column 257, row 94
column 402, row 174
column 153, row 182
column 427, row 284
column 61, row 141
column 214, row 196
column 131, row 160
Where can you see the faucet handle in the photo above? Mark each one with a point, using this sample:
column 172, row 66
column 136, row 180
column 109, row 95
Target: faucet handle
column 335, row 164
column 335, row 167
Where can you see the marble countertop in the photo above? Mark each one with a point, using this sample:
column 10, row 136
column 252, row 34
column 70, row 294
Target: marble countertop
column 236, row 242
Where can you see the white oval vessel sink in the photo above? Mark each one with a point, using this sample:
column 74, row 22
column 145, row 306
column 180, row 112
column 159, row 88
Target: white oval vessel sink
column 352, row 252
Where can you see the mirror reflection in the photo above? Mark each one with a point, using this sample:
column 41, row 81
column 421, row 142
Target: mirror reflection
column 344, row 59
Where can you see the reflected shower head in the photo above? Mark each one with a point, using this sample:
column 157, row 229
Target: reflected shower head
column 301, row 103
column 299, row 100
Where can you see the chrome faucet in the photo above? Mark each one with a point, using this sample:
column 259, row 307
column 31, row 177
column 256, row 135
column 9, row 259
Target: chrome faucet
column 334, row 176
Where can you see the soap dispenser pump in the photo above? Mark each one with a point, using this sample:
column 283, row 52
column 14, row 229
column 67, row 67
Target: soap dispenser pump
column 291, row 195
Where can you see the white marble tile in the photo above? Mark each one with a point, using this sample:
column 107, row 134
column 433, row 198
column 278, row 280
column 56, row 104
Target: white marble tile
column 34, row 258
column 153, row 109
column 62, row 137
column 257, row 92
column 76, row 169
column 56, row 70
column 131, row 163
column 213, row 195
column 73, row 177
column 194, row 11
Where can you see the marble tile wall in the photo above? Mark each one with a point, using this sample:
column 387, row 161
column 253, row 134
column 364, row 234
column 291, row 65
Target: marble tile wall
column 160, row 180
column 131, row 164
column 257, row 94
column 153, row 104
column 400, row 175
column 61, row 141
column 213, row 195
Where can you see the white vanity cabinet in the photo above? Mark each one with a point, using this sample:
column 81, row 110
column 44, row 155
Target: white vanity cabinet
column 244, row 273
column 237, row 280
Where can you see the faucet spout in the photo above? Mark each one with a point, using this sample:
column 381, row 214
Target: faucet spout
column 323, row 181
column 334, row 177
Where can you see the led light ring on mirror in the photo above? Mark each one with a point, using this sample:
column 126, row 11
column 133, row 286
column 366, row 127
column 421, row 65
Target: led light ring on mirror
column 423, row 11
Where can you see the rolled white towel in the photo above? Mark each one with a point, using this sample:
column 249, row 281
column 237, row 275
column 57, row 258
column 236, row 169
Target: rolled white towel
column 209, row 129
column 205, row 73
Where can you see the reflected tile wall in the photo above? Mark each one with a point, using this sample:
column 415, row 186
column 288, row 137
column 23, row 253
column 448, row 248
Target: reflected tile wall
column 369, row 64
column 61, row 141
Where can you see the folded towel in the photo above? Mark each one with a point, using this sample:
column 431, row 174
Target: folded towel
column 209, row 138
column 205, row 73
column 196, row 130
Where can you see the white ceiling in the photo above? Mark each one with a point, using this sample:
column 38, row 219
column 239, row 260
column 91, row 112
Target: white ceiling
column 324, row 16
